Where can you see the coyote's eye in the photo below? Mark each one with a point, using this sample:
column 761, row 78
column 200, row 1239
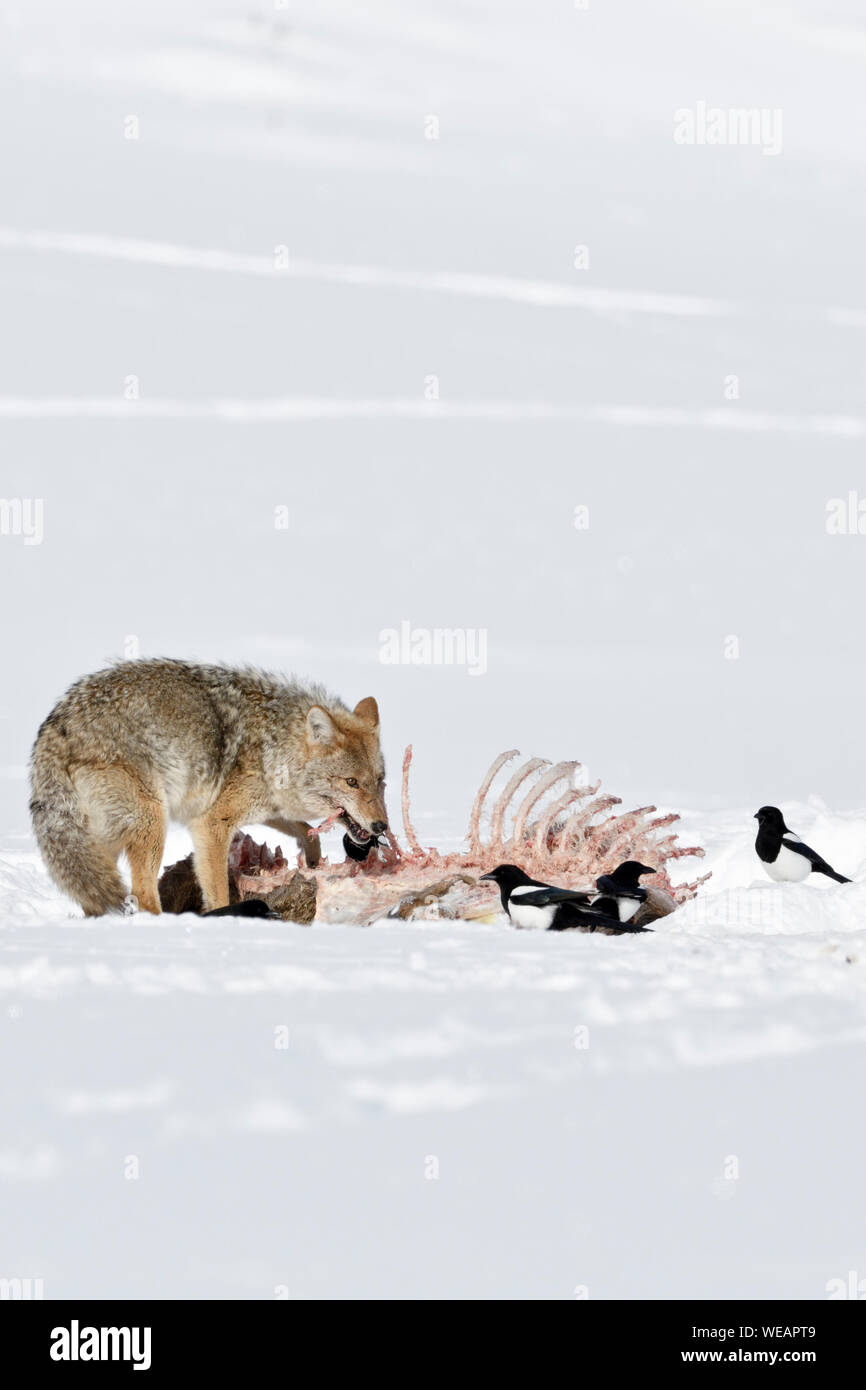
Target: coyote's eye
column 351, row 781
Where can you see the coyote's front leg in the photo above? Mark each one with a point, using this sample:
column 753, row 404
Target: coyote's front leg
column 211, row 836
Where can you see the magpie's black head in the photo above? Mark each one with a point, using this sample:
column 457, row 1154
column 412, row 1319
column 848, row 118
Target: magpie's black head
column 358, row 852
column 772, row 817
column 628, row 873
column 508, row 877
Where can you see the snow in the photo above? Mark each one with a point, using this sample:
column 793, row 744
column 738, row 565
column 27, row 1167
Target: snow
column 441, row 1109
column 698, row 643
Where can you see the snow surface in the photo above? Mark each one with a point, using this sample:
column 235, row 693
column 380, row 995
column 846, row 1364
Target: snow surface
column 453, row 1109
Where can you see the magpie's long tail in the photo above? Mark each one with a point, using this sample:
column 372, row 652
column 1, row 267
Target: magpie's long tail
column 597, row 921
column 831, row 873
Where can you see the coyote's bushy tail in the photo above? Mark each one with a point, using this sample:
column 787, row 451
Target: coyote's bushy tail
column 77, row 861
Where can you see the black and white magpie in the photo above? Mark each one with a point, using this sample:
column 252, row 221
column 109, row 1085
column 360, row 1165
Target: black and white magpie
column 357, row 851
column 250, row 907
column 783, row 854
column 620, row 894
column 545, row 908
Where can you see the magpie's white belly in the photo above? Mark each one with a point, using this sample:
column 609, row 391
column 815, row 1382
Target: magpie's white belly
column 789, row 867
column 536, row 918
column 625, row 907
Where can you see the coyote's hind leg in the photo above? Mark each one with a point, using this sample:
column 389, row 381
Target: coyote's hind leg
column 144, row 848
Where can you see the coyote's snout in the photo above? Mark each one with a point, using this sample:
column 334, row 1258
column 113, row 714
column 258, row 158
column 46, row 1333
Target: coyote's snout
column 147, row 742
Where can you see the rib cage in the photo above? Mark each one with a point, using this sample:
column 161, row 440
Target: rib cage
column 555, row 827
column 564, row 838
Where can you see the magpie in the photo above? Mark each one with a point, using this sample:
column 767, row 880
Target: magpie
column 250, row 907
column 359, row 852
column 543, row 907
column 783, row 854
column 620, row 894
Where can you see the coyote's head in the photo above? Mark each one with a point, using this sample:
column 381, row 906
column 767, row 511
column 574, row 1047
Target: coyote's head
column 345, row 770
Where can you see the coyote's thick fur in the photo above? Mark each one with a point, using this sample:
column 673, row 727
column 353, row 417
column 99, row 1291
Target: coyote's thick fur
column 147, row 742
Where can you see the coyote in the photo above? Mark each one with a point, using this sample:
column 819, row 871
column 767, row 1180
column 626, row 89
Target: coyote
column 144, row 742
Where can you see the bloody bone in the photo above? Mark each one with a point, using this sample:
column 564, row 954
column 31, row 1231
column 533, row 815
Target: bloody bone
column 246, row 856
column 326, row 825
column 556, row 839
column 558, row 832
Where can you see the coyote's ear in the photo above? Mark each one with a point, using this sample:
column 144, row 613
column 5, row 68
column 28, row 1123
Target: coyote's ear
column 320, row 726
column 368, row 711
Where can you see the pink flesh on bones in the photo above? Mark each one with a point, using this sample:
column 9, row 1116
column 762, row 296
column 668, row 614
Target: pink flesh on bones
column 558, row 833
column 326, row 824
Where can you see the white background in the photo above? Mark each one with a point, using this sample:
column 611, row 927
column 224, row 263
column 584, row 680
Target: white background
column 305, row 127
